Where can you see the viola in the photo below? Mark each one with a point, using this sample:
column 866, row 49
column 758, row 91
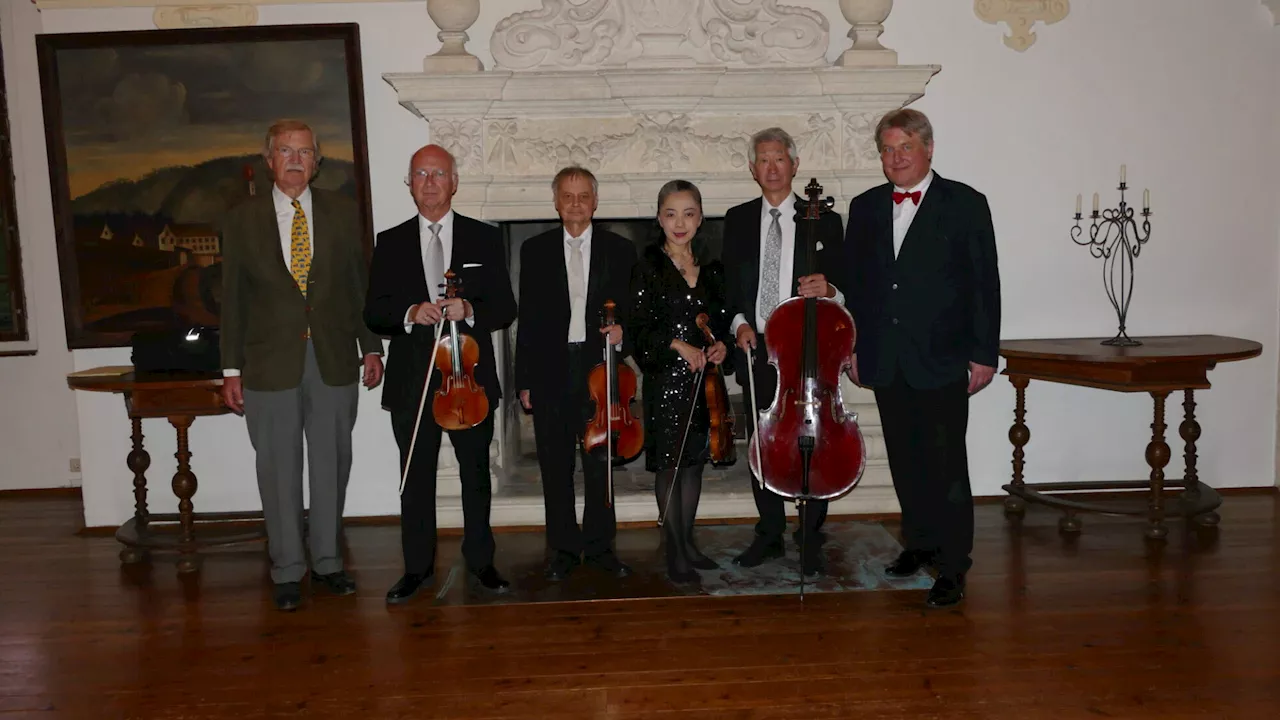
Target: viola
column 807, row 446
column 460, row 402
column 723, row 451
column 612, row 387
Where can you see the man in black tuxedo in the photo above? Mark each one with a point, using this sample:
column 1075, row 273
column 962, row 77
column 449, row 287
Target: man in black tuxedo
column 566, row 275
column 406, row 301
column 924, row 290
column 765, row 263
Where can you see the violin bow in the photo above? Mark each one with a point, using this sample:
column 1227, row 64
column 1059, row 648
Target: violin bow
column 675, row 471
column 755, row 420
column 426, row 385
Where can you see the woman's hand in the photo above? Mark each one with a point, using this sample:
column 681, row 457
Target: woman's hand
column 717, row 352
column 691, row 354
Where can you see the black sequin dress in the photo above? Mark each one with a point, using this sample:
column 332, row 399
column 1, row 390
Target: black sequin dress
column 664, row 308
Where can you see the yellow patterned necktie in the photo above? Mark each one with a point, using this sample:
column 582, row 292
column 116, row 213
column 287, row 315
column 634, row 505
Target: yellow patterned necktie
column 300, row 249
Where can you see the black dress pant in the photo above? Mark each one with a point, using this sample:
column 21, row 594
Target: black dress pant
column 418, row 502
column 558, row 422
column 769, row 505
column 924, row 434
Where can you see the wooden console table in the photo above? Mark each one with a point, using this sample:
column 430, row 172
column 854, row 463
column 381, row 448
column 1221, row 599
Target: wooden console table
column 1159, row 366
column 180, row 398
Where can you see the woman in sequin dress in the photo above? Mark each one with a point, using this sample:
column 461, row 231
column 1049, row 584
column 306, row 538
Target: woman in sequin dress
column 671, row 285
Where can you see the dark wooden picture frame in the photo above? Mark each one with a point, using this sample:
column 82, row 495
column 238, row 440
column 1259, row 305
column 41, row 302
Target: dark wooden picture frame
column 13, row 307
column 140, row 250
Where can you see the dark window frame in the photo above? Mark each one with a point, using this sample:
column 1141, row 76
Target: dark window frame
column 16, row 330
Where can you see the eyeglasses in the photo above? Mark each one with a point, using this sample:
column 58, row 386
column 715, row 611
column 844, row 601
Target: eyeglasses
column 300, row 152
column 438, row 175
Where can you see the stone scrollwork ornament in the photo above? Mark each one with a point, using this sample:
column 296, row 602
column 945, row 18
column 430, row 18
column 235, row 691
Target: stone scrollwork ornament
column 590, row 34
column 1020, row 16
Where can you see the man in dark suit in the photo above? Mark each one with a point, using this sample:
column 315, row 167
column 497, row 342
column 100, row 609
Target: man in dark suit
column 566, row 275
column 406, row 301
column 289, row 334
column 924, row 291
column 765, row 263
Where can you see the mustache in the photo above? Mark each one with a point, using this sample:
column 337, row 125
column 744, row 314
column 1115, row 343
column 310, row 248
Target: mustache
column 295, row 166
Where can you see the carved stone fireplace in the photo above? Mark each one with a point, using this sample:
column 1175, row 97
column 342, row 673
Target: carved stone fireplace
column 641, row 92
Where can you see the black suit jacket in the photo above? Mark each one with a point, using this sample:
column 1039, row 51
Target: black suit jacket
column 934, row 308
column 398, row 280
column 543, row 330
column 741, row 257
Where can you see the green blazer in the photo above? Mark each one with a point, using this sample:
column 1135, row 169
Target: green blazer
column 265, row 316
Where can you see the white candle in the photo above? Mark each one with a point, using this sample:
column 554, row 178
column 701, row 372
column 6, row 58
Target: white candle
column 1077, row 203
column 1122, row 169
column 1146, row 198
column 1095, row 202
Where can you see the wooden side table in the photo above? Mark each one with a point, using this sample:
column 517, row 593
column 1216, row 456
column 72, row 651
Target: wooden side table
column 1159, row 366
column 180, row 398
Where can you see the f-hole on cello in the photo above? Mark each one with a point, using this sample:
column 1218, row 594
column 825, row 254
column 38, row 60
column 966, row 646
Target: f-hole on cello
column 612, row 386
column 808, row 446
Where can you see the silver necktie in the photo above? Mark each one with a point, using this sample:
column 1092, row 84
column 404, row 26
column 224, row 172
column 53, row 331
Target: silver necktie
column 770, row 267
column 577, row 293
column 435, row 263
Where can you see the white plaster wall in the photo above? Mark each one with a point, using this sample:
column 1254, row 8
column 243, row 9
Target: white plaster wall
column 1182, row 91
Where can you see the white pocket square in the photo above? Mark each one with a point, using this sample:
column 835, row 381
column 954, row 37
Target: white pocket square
column 818, row 246
column 471, row 265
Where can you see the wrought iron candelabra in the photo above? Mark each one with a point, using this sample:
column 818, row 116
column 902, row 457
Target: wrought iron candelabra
column 1115, row 237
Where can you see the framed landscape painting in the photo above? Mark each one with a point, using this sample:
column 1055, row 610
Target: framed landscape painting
column 153, row 136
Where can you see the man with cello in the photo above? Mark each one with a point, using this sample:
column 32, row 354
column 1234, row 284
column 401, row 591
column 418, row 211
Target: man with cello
column 406, row 300
column 566, row 276
column 925, row 294
column 765, row 264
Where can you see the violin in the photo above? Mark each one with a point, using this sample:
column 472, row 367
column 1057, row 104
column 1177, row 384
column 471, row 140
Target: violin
column 460, row 402
column 723, row 451
column 612, row 386
column 807, row 446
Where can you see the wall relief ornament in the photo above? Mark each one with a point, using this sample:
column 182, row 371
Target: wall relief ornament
column 194, row 16
column 860, row 151
column 464, row 139
column 1020, row 16
column 591, row 34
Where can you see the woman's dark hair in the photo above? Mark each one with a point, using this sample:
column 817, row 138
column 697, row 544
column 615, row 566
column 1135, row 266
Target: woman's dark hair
column 699, row 245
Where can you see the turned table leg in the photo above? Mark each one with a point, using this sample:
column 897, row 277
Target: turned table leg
column 1157, row 458
column 1019, row 435
column 1190, row 432
column 138, row 460
column 184, row 486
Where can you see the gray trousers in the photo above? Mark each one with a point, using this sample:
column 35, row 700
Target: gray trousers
column 277, row 421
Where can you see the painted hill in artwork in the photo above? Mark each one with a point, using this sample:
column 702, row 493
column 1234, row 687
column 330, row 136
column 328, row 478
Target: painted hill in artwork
column 200, row 194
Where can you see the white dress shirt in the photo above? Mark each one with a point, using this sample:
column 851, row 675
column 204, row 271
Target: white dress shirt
column 446, row 245
column 786, row 260
column 579, row 334
column 284, row 224
column 905, row 211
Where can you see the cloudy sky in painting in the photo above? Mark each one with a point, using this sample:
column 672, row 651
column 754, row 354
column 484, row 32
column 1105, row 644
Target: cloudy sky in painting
column 131, row 110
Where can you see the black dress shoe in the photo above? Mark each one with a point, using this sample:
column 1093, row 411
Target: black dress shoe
column 337, row 583
column 562, row 563
column 609, row 563
column 702, row 562
column 947, row 591
column 489, row 579
column 907, row 564
column 288, row 596
column 761, row 549
column 407, row 587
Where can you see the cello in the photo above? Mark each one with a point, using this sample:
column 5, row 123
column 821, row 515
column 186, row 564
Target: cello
column 807, row 446
column 612, row 386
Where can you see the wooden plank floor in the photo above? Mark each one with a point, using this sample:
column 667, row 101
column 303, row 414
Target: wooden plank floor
column 1104, row 626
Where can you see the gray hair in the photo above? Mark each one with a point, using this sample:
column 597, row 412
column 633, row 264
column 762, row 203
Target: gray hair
column 912, row 122
column 574, row 171
column 773, row 134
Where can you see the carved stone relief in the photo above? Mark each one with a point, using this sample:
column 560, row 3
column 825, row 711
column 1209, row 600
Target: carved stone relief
column 1020, row 16
column 191, row 16
column 588, row 34
column 860, row 151
column 464, row 139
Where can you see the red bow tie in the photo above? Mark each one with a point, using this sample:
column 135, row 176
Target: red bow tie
column 899, row 197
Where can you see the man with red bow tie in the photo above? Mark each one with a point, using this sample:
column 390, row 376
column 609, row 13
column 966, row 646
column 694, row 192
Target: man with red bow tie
column 924, row 291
